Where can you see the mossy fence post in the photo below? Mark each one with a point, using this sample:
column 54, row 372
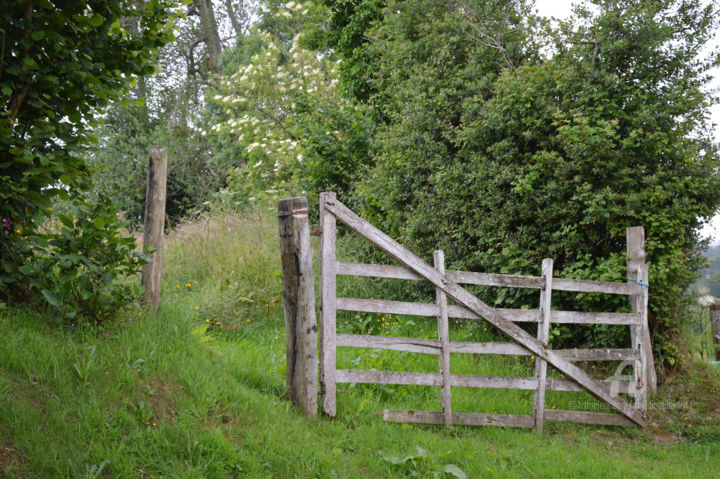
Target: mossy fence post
column 715, row 323
column 154, row 224
column 299, row 304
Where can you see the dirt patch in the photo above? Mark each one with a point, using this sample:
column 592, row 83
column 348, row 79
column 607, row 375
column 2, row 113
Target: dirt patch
column 661, row 436
column 161, row 397
column 11, row 461
column 224, row 419
column 715, row 410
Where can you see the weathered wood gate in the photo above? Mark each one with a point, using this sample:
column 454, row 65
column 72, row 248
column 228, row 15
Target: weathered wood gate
column 447, row 284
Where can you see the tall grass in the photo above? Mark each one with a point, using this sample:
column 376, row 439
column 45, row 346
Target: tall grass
column 231, row 261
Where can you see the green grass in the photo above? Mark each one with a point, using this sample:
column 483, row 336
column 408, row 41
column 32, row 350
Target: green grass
column 198, row 391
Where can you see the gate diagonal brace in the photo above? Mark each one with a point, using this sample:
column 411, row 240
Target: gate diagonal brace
column 463, row 297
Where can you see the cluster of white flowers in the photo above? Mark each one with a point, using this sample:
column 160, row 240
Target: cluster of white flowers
column 295, row 6
column 706, row 300
column 260, row 101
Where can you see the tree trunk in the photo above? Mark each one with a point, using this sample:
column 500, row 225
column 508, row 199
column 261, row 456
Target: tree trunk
column 237, row 26
column 210, row 30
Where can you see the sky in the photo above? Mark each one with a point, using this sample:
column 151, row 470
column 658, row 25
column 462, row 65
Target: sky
column 562, row 9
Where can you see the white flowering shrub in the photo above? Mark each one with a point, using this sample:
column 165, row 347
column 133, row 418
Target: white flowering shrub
column 285, row 111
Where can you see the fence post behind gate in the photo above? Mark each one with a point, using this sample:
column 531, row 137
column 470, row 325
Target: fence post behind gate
column 298, row 304
column 638, row 272
column 328, row 283
column 715, row 327
column 154, row 224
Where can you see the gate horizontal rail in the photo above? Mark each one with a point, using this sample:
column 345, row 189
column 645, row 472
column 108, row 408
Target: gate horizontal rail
column 459, row 312
column 490, row 279
column 433, row 346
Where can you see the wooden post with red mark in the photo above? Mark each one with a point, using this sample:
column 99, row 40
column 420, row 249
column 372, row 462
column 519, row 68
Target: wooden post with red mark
column 299, row 304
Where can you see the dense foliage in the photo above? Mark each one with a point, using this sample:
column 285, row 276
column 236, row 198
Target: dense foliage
column 61, row 62
column 502, row 158
column 79, row 266
column 478, row 141
column 119, row 162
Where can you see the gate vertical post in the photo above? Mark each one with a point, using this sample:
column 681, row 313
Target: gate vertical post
column 642, row 333
column 543, row 334
column 638, row 273
column 328, row 285
column 298, row 304
column 444, row 337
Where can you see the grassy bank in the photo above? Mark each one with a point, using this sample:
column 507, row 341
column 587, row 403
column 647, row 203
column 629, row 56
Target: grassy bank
column 197, row 391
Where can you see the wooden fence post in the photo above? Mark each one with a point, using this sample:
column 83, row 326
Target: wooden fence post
column 638, row 272
column 299, row 304
column 328, row 306
column 154, row 224
column 543, row 334
column 715, row 323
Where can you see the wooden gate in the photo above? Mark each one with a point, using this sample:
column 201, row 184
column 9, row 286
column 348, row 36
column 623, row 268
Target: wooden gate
column 447, row 284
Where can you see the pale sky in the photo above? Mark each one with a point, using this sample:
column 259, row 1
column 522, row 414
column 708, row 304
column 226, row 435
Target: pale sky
column 562, row 9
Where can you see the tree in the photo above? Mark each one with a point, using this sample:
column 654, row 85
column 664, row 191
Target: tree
column 61, row 62
column 210, row 35
column 283, row 109
column 168, row 108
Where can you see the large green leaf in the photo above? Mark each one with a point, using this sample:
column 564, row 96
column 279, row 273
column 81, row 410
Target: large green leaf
column 50, row 297
column 97, row 20
column 99, row 222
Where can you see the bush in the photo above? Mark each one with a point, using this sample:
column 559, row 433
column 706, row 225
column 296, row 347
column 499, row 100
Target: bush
column 81, row 269
column 283, row 110
column 61, row 64
column 504, row 163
